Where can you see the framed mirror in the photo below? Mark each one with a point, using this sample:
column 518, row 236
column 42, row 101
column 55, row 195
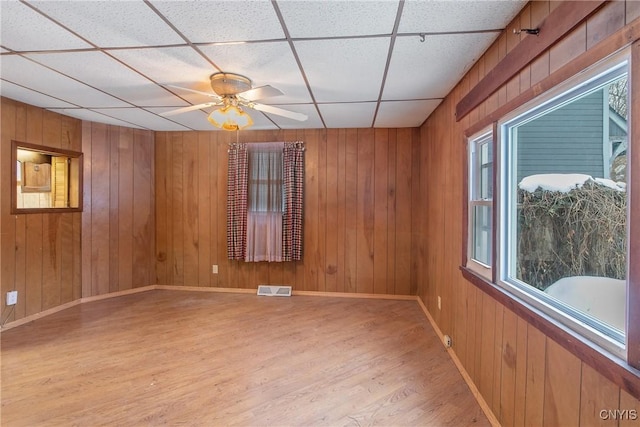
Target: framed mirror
column 45, row 179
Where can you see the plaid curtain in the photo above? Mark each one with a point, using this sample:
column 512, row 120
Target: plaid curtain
column 237, row 201
column 294, row 197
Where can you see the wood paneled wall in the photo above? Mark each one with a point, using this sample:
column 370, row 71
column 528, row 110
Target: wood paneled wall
column 524, row 376
column 40, row 252
column 361, row 187
column 52, row 259
column 118, row 221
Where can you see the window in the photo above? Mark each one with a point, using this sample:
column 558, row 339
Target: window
column 265, row 202
column 45, row 179
column 480, row 202
column 265, row 198
column 563, row 204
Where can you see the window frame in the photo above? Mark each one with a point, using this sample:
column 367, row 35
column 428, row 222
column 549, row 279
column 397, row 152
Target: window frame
column 597, row 333
column 486, row 136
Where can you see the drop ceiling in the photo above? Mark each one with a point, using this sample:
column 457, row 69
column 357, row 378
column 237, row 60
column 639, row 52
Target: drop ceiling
column 342, row 63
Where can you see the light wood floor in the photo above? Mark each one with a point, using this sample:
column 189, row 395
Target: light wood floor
column 195, row 358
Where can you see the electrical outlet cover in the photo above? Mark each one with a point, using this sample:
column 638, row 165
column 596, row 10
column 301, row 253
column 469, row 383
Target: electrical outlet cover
column 12, row 298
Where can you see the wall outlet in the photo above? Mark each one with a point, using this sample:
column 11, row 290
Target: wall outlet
column 447, row 341
column 214, row 269
column 439, row 303
column 12, row 298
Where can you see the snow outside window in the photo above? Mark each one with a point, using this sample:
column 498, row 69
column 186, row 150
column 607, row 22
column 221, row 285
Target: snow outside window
column 563, row 204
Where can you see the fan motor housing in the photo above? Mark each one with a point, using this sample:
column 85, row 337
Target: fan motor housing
column 229, row 84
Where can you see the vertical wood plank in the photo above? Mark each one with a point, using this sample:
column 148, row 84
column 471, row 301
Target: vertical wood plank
column 364, row 211
column 473, row 331
column 596, row 394
column 510, row 358
column 189, row 205
column 162, row 209
column 29, row 122
column 311, row 212
column 606, row 21
column 203, row 207
column 176, row 265
column 321, row 142
column 7, row 221
column 631, row 405
column 498, row 361
column 127, row 202
column 224, row 265
column 116, row 230
column 403, row 212
column 216, row 189
column 351, row 197
column 342, row 221
column 562, row 387
column 536, row 374
column 332, row 213
column 520, row 394
column 87, row 232
column 380, row 210
column 391, row 173
column 143, row 217
column 487, row 352
column 99, row 211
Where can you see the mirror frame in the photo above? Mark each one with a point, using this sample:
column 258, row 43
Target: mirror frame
column 15, row 146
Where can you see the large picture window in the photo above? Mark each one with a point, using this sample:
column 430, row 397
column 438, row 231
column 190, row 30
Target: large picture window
column 563, row 203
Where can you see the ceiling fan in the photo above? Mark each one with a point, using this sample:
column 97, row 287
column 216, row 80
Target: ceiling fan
column 232, row 92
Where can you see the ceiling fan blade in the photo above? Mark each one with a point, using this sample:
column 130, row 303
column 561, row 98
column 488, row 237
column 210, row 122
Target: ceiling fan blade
column 260, row 93
column 211, row 95
column 189, row 108
column 280, row 112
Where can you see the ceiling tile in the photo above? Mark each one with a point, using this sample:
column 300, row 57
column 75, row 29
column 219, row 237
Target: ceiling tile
column 404, row 113
column 269, row 63
column 196, row 120
column 420, row 16
column 356, row 115
column 181, row 66
column 420, row 70
column 141, row 118
column 112, row 24
column 313, row 122
column 28, row 96
column 17, row 30
column 24, row 72
column 223, row 21
column 92, row 116
column 342, row 18
column 344, row 70
column 99, row 70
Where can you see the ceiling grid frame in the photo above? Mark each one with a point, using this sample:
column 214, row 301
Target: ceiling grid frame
column 342, row 25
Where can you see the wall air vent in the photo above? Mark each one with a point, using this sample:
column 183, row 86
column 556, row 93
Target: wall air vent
column 274, row 291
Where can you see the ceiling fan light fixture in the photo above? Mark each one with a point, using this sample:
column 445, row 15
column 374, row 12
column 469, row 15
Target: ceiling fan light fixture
column 230, row 118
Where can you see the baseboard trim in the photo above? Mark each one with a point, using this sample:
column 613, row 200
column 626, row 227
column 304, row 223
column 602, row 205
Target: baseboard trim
column 40, row 315
column 205, row 289
column 474, row 390
column 118, row 294
column 354, row 295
